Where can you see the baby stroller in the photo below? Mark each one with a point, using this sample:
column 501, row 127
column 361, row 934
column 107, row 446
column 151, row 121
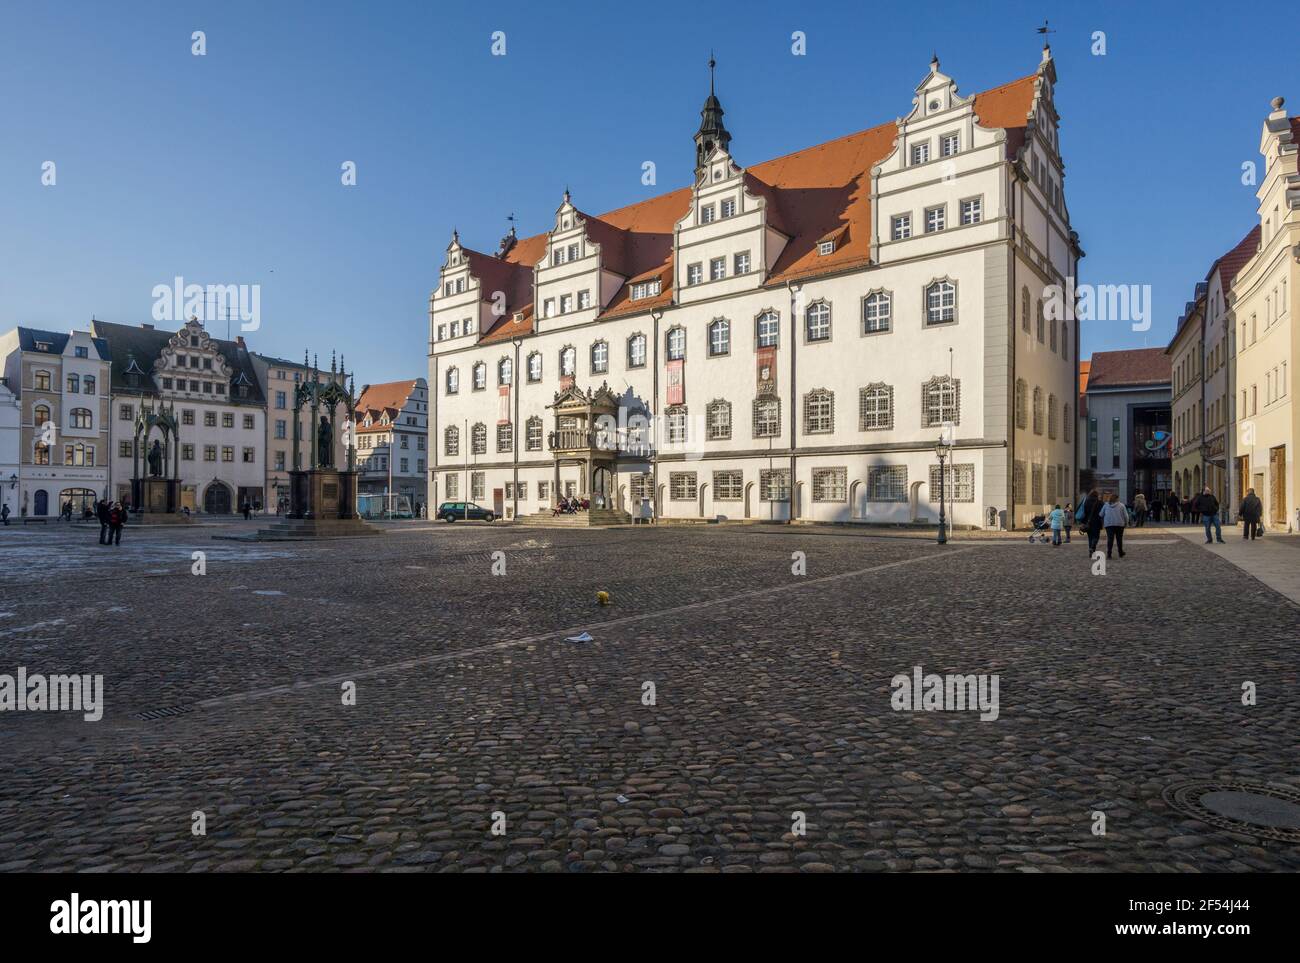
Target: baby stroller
column 1041, row 532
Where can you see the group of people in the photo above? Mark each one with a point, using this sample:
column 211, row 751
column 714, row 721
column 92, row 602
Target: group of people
column 112, row 516
column 568, row 505
column 1106, row 511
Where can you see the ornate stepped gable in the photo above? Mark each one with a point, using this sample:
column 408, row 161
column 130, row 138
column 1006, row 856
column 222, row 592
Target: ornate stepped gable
column 816, row 194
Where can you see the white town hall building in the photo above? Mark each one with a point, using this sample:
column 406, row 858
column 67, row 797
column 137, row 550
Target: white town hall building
column 801, row 330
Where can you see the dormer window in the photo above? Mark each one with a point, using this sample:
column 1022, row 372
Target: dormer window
column 645, row 289
column 949, row 144
column 81, row 352
column 920, row 153
column 729, row 207
column 825, row 247
column 706, row 214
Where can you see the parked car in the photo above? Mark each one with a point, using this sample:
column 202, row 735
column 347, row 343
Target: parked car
column 459, row 511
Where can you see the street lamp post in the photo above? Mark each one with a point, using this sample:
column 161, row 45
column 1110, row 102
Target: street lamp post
column 943, row 449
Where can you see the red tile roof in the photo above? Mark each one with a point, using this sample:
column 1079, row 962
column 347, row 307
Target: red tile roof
column 1124, row 369
column 1232, row 262
column 391, row 395
column 811, row 194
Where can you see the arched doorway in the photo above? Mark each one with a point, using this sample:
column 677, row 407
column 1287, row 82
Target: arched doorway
column 659, row 502
column 796, row 501
column 41, row 502
column 602, row 485
column 704, row 498
column 853, row 499
column 749, row 488
column 914, row 501
column 217, row 500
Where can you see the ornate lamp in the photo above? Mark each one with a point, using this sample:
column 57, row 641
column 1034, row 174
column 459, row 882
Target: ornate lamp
column 943, row 449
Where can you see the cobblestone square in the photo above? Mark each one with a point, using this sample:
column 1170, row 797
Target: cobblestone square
column 772, row 697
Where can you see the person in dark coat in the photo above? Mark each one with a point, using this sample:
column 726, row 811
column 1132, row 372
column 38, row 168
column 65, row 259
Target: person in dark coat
column 1092, row 506
column 1251, row 511
column 1207, row 507
column 101, row 512
column 116, row 519
column 1172, row 503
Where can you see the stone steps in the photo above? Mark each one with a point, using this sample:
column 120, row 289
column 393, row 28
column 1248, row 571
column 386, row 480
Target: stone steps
column 594, row 518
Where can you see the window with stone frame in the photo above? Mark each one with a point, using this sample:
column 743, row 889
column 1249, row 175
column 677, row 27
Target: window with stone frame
column 887, row 483
column 1051, row 484
column 505, row 437
column 876, row 407
column 636, row 351
column 729, row 485
column 767, row 328
column 1038, row 410
column 640, row 486
column 1051, row 416
column 478, row 439
column 1040, row 322
column 568, row 361
column 535, row 366
column 1018, row 483
column 600, row 357
column 774, row 485
column 682, row 486
column 941, row 401
column 1052, row 335
column 477, row 485
column 675, row 420
column 451, row 440
column 675, row 343
column 817, row 322
column 480, row 376
column 959, row 483
column 877, row 308
column 830, row 484
column 1067, row 431
column 451, row 486
column 718, row 419
column 719, row 337
column 818, row 412
column 1036, row 491
column 1024, row 309
column 505, row 371
column 767, row 418
column 533, row 434
column 1022, row 403
column 940, row 302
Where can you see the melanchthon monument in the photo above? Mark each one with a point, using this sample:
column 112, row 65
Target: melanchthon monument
column 157, row 494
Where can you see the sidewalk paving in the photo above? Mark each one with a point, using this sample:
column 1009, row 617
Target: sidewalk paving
column 1271, row 559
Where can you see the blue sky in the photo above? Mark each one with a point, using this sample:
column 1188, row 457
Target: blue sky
column 225, row 168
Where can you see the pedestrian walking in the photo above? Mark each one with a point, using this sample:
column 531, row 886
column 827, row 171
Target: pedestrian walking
column 1114, row 517
column 1140, row 509
column 101, row 512
column 247, row 510
column 1172, row 504
column 116, row 519
column 4, row 515
column 1251, row 511
column 1206, row 507
column 1069, row 521
column 1092, row 519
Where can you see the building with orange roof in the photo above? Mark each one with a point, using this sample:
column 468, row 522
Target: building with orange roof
column 783, row 341
column 1127, row 436
column 392, row 441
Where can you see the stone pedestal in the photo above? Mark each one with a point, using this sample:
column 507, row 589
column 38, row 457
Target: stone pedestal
column 323, row 493
column 156, row 496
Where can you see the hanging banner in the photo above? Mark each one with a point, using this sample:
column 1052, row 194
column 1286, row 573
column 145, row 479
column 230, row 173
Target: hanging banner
column 677, row 381
column 503, row 414
column 766, row 381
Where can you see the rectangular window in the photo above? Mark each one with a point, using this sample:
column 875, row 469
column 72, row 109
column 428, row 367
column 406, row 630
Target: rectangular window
column 640, row 486
column 706, row 214
column 187, row 452
column 948, row 145
column 830, row 484
column 548, row 308
column 280, row 400
column 774, row 485
column 682, row 486
column 566, row 303
column 676, row 425
column 248, row 422
column 935, row 219
column 958, row 483
column 209, row 452
column 209, row 419
column 227, row 419
column 543, row 489
column 584, row 301
column 250, row 456
column 729, row 207
column 125, row 412
column 1114, row 443
column 124, row 449
column 741, row 263
column 279, row 461
column 902, row 227
column 694, row 273
column 717, row 268
column 228, row 453
column 477, row 483
column 452, row 484
column 920, row 152
column 281, row 429
column 728, row 486
column 887, row 483
column 972, row 210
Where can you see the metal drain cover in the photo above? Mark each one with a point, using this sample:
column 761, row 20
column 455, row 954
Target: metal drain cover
column 164, row 713
column 1266, row 811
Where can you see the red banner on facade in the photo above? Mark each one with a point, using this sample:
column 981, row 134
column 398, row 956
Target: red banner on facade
column 503, row 413
column 677, row 381
column 766, row 371
column 566, row 382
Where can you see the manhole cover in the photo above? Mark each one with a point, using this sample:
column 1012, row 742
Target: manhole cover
column 164, row 713
column 1265, row 811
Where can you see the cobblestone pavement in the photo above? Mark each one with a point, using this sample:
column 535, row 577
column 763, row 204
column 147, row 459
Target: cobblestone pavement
column 772, row 696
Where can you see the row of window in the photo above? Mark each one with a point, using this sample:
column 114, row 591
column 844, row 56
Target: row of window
column 935, row 219
column 727, row 208
column 884, row 483
column 1022, row 411
column 1041, row 326
column 566, row 302
column 949, row 145
column 127, row 413
column 80, row 455
column 740, row 264
column 77, row 417
column 1048, row 483
column 457, row 328
column 125, row 449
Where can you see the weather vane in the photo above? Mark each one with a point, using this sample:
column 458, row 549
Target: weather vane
column 1044, row 30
